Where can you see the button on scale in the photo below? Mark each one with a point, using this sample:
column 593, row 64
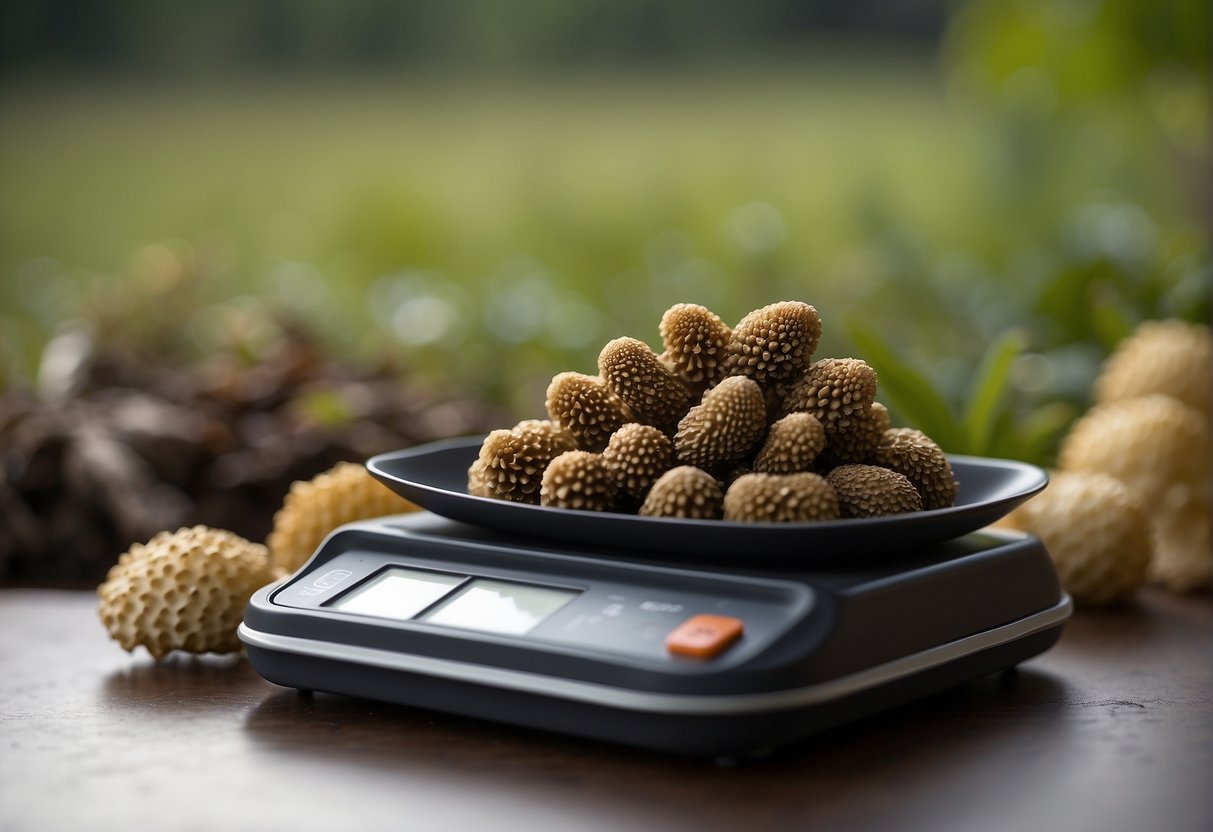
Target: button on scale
column 704, row 636
column 645, row 624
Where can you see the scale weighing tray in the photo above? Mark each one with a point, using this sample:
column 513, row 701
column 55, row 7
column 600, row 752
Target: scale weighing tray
column 651, row 651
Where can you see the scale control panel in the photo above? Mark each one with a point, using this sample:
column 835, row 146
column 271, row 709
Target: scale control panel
column 656, row 614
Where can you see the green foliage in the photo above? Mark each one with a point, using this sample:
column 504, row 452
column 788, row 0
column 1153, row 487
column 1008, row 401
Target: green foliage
column 980, row 417
column 989, row 421
column 909, row 394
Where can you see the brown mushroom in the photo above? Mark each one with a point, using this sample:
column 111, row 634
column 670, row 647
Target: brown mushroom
column 792, row 444
column 838, row 391
column 686, row 492
column 914, row 454
column 774, row 343
column 857, row 442
column 511, row 462
column 724, row 426
column 872, row 491
column 586, row 408
column 636, row 375
column 578, row 480
column 636, row 456
column 780, row 498
column 696, row 342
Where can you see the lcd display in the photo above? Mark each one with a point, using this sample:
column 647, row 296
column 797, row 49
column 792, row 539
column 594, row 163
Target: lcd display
column 398, row 593
column 499, row 606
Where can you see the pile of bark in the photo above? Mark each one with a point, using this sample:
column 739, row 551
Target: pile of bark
column 117, row 442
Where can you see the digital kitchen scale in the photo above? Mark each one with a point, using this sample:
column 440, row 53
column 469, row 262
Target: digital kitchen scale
column 646, row 648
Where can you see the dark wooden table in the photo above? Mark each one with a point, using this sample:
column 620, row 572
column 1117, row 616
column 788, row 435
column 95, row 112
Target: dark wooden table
column 1112, row 730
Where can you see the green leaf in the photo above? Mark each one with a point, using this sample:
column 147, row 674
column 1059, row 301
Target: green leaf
column 1005, row 441
column 1110, row 319
column 988, row 390
column 908, row 391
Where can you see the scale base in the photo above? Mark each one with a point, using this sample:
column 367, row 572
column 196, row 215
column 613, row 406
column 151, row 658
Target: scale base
column 737, row 736
column 877, row 636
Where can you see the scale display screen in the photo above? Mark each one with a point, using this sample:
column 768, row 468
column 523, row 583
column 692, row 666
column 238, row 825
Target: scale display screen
column 455, row 600
column 499, row 606
column 398, row 593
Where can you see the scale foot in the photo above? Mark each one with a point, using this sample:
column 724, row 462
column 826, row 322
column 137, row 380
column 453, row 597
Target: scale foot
column 304, row 691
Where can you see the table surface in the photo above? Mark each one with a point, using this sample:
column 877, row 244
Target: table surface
column 1111, row 730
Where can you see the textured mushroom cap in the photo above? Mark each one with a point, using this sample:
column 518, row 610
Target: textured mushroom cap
column 872, row 491
column 511, row 462
column 1096, row 530
column 640, row 380
column 838, row 391
column 857, row 442
column 780, row 498
column 546, row 432
column 774, row 343
column 684, row 492
column 182, row 590
column 1181, row 548
column 1169, row 357
column 578, row 480
column 724, row 426
column 586, row 408
column 915, row 455
column 636, row 456
column 479, row 484
column 1155, row 444
column 696, row 343
column 313, row 508
column 791, row 445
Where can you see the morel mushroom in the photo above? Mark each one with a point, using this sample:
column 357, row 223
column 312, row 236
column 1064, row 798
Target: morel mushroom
column 587, row 408
column 1169, row 357
column 857, row 442
column 512, row 462
column 686, row 492
column 872, row 491
column 636, row 456
column 182, row 590
column 724, row 426
column 1097, row 531
column 915, row 455
column 775, row 343
column 578, row 480
column 696, row 343
column 792, row 444
column 780, row 498
column 838, row 391
column 640, row 380
column 1159, row 447
column 313, row 508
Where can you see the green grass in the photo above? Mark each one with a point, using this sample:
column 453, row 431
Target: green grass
column 591, row 179
column 92, row 173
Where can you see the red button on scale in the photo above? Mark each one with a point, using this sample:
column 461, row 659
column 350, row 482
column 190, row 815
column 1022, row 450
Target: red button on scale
column 704, row 636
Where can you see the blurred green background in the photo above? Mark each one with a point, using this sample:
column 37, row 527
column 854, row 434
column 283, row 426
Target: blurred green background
column 979, row 197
